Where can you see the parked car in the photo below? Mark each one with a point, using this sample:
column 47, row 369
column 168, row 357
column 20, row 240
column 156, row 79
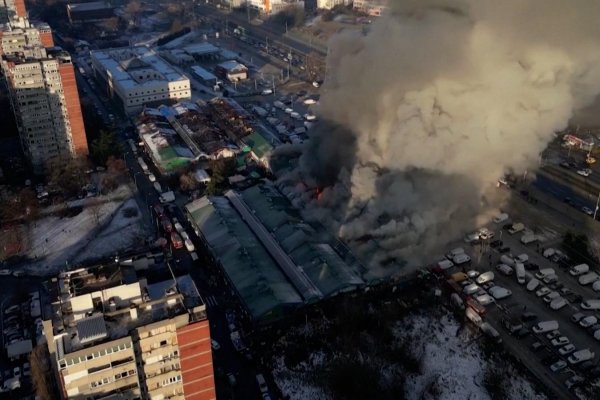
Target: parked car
column 577, row 317
column 560, row 341
column 588, row 321
column 565, row 350
column 542, row 292
column 575, row 380
column 505, row 269
column 558, row 366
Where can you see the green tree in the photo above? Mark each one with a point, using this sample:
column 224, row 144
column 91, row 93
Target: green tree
column 70, row 177
column 221, row 170
column 577, row 248
column 105, row 146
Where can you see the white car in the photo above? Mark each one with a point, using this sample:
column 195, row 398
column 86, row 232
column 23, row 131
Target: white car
column 588, row 321
column 152, row 178
column 558, row 366
column 591, row 304
column 310, row 117
column 484, row 299
column 596, row 286
column 568, row 349
column 472, row 274
column 288, row 110
column 310, row 101
column 585, row 172
column 4, row 272
column 587, row 210
column 499, row 293
column 542, row 292
column 560, row 341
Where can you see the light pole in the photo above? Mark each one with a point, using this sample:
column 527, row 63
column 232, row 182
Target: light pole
column 597, row 204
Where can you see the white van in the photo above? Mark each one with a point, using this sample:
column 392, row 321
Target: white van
column 591, row 304
column 445, row 264
column 533, row 284
column 579, row 269
column 461, row 259
column 520, row 271
column 581, row 356
column 189, row 245
column 588, row 278
column 508, row 260
column 542, row 273
column 454, row 252
column 545, row 326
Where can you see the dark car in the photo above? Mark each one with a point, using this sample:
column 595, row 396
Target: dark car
column 496, row 243
column 564, row 164
column 507, row 226
column 556, row 286
column 531, row 267
column 504, row 249
column 586, row 365
column 594, row 372
column 521, row 333
column 536, row 346
column 528, row 316
column 549, row 359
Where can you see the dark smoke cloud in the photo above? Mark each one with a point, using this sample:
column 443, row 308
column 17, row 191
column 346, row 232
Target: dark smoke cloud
column 427, row 110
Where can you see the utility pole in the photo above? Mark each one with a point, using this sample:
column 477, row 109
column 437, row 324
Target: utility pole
column 248, row 10
column 597, row 204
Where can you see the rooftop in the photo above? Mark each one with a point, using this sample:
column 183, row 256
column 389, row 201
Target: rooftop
column 262, row 242
column 233, row 66
column 90, row 6
column 104, row 303
column 136, row 66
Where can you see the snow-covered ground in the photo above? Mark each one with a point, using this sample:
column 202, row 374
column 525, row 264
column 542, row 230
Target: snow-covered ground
column 101, row 229
column 452, row 365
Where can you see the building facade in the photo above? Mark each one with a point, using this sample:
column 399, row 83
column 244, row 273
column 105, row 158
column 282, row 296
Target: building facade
column 138, row 76
column 45, row 102
column 42, row 88
column 129, row 340
column 373, row 8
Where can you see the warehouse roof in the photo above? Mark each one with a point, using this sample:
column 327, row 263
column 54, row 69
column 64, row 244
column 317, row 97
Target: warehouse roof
column 260, row 283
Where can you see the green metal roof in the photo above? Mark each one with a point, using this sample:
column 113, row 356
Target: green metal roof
column 258, row 144
column 262, row 285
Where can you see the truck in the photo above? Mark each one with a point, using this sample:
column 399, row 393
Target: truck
column 142, row 164
column 167, row 197
column 508, row 260
column 516, row 227
column 520, row 271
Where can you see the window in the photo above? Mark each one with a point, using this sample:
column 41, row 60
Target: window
column 163, row 343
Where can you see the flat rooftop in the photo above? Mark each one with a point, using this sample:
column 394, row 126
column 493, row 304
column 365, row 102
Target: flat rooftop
column 91, row 6
column 106, row 302
column 127, row 64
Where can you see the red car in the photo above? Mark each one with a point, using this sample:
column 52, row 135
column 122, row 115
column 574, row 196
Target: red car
column 176, row 240
column 166, row 224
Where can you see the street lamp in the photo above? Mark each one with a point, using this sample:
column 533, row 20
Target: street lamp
column 597, row 204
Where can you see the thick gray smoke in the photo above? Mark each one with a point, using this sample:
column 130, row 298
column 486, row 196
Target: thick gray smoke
column 426, row 111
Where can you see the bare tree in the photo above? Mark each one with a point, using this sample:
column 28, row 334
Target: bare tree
column 95, row 207
column 187, row 182
column 41, row 373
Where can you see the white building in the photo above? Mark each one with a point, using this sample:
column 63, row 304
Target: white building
column 137, row 76
column 329, row 4
column 373, row 8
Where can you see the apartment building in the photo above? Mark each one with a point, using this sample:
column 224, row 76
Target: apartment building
column 112, row 333
column 45, row 101
column 27, row 39
column 137, row 76
column 11, row 9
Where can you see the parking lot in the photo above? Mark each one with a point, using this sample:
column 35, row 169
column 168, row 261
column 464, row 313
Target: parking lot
column 515, row 315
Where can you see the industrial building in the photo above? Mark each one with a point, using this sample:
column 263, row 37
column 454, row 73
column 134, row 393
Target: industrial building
column 232, row 70
column 137, row 76
column 273, row 259
column 113, row 333
column 46, row 104
column 89, row 11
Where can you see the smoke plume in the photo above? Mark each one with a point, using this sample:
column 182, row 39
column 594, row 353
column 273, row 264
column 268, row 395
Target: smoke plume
column 422, row 115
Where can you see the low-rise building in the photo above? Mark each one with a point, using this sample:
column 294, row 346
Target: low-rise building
column 113, row 334
column 89, row 11
column 373, row 8
column 137, row 76
column 232, row 70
